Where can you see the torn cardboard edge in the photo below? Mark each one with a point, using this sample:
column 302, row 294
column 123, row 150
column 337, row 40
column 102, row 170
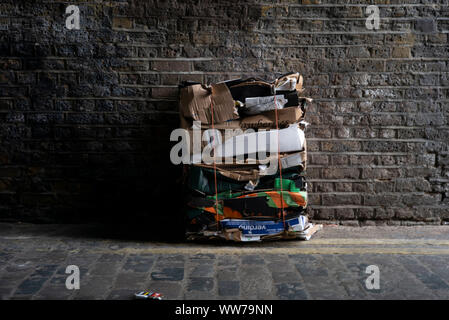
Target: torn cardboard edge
column 265, row 120
column 252, row 171
column 196, row 100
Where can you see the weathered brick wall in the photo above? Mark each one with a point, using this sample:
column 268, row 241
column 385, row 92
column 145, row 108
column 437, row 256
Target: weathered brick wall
column 85, row 115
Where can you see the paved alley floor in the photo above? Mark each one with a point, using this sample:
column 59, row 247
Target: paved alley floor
column 413, row 263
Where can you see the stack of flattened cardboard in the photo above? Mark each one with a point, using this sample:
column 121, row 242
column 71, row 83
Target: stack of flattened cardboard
column 245, row 174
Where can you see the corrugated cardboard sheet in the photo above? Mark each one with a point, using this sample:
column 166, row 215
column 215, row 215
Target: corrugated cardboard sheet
column 195, row 103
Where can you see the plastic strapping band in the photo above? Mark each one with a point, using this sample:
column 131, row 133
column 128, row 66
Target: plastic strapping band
column 279, row 158
column 215, row 166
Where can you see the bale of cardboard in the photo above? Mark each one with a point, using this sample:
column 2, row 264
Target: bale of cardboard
column 232, row 193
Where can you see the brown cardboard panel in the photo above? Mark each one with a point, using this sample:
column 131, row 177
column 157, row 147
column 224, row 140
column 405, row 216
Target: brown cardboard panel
column 241, row 175
column 195, row 103
column 224, row 105
column 223, row 134
column 232, row 124
column 268, row 119
column 250, row 171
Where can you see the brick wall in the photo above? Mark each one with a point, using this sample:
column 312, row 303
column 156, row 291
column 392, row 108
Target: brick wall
column 85, row 115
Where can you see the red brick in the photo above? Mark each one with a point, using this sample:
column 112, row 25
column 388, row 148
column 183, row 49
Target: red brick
column 164, row 92
column 172, row 65
column 341, row 173
column 121, row 22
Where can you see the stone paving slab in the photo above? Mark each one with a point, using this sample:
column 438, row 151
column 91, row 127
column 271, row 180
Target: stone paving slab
column 413, row 264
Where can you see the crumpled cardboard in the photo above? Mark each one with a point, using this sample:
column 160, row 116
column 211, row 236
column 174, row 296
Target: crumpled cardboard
column 289, row 82
column 252, row 170
column 267, row 120
column 207, row 136
column 195, row 103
